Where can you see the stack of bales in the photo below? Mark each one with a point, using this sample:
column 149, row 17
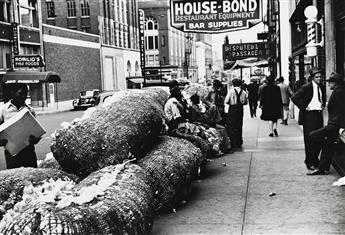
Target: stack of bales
column 123, row 129
column 13, row 182
column 171, row 166
column 114, row 200
column 114, row 197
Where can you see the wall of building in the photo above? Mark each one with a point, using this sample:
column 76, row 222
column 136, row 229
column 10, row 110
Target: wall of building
column 75, row 56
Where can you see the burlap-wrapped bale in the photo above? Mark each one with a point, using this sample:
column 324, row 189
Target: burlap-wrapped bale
column 114, row 200
column 122, row 129
column 13, row 182
column 171, row 166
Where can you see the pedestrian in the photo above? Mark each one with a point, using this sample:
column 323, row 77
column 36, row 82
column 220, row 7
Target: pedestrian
column 326, row 136
column 26, row 157
column 261, row 87
column 310, row 100
column 253, row 96
column 271, row 105
column 216, row 97
column 286, row 93
column 235, row 99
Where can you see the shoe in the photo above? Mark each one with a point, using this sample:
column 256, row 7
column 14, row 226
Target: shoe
column 270, row 135
column 312, row 168
column 285, row 122
column 316, row 172
column 275, row 132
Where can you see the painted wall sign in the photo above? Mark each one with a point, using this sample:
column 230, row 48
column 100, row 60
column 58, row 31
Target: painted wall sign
column 246, row 50
column 142, row 40
column 28, row 61
column 214, row 16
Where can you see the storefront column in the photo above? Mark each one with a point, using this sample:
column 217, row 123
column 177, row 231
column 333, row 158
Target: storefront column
column 330, row 39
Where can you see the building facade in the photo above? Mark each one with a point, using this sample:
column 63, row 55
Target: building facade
column 169, row 52
column 21, row 38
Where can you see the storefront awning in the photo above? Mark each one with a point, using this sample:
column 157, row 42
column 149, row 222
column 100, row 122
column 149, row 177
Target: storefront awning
column 136, row 80
column 31, row 77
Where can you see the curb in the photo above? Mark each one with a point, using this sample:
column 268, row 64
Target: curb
column 40, row 113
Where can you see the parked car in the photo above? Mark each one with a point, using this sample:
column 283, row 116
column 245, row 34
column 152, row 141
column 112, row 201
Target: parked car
column 86, row 99
column 101, row 97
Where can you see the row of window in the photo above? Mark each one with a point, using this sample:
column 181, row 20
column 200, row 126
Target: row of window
column 71, row 8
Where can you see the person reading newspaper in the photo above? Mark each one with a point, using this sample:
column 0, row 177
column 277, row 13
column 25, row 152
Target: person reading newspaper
column 26, row 157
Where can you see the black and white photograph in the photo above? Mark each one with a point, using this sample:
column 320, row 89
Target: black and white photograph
column 172, row 117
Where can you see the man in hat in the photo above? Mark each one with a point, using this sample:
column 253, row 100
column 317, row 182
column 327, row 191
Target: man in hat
column 327, row 135
column 310, row 100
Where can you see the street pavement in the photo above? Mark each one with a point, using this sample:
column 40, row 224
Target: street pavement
column 262, row 189
column 61, row 106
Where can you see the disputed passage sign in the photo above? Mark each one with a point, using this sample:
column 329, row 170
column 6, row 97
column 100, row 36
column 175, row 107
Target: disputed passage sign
column 214, row 16
column 247, row 50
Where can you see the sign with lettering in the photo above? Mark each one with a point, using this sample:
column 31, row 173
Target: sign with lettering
column 142, row 40
column 15, row 39
column 28, row 61
column 214, row 16
column 246, row 50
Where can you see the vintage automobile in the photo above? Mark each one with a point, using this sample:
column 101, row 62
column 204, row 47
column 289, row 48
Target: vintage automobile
column 86, row 99
column 101, row 97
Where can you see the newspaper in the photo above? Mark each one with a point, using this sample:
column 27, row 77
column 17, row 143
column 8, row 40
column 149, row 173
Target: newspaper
column 18, row 129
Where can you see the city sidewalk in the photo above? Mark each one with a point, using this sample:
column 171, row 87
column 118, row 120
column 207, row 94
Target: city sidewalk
column 263, row 189
column 61, row 106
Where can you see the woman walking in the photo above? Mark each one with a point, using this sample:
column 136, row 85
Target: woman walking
column 271, row 105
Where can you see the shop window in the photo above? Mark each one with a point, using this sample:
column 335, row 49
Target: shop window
column 71, row 10
column 86, row 29
column 28, row 13
column 51, row 9
column 85, row 8
column 129, row 68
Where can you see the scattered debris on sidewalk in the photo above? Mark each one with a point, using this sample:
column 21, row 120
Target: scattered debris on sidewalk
column 272, row 194
column 224, row 164
column 340, row 182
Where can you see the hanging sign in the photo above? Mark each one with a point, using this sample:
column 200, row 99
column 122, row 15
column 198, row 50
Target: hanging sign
column 142, row 40
column 214, row 16
column 246, row 50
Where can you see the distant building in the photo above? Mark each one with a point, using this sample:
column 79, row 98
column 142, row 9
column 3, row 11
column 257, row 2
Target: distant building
column 169, row 52
column 21, row 36
column 105, row 46
column 204, row 58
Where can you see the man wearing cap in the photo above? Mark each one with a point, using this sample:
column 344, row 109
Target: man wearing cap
column 327, row 135
column 310, row 100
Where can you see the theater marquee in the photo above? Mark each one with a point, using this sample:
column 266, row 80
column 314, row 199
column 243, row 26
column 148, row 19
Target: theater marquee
column 214, row 16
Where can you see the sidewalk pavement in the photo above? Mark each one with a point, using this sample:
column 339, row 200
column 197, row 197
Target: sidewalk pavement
column 61, row 106
column 262, row 189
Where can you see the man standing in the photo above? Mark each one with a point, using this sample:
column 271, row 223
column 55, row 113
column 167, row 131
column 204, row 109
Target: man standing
column 286, row 93
column 253, row 96
column 327, row 135
column 27, row 157
column 310, row 100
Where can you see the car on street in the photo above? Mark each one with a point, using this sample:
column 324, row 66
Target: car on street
column 101, row 97
column 86, row 99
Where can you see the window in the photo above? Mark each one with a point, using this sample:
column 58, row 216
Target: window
column 151, row 23
column 86, row 29
column 71, row 11
column 50, row 9
column 28, row 13
column 85, row 8
column 163, row 41
column 5, row 11
column 5, row 56
column 151, row 42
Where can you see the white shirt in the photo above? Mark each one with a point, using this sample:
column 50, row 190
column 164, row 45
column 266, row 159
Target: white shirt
column 171, row 109
column 315, row 104
column 8, row 110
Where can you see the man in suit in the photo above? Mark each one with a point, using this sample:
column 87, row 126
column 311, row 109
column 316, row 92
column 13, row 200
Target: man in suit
column 286, row 93
column 327, row 135
column 310, row 100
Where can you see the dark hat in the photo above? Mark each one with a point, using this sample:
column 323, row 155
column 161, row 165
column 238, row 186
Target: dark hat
column 335, row 77
column 314, row 70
